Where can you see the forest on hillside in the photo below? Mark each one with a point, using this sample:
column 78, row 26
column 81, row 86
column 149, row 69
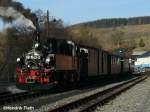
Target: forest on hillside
column 115, row 22
column 129, row 37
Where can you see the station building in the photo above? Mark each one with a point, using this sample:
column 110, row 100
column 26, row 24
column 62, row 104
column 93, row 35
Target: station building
column 142, row 60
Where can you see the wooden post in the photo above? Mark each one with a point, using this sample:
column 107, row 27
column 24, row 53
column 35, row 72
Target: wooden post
column 47, row 23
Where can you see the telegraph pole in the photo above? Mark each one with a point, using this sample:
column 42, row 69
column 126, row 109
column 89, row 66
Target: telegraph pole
column 47, row 23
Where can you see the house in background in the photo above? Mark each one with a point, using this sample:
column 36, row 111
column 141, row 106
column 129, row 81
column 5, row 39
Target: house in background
column 142, row 61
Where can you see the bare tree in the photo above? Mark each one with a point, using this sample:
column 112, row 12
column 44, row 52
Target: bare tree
column 117, row 37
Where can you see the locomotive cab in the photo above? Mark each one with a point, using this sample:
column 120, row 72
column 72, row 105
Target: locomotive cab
column 65, row 61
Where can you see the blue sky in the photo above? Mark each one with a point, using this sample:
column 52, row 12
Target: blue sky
column 76, row 11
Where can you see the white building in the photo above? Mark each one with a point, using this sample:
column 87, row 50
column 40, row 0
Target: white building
column 142, row 59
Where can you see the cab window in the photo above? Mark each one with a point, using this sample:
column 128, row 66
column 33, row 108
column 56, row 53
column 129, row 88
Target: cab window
column 65, row 48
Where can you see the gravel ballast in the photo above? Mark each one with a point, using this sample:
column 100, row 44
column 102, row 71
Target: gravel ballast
column 136, row 99
column 44, row 103
column 51, row 105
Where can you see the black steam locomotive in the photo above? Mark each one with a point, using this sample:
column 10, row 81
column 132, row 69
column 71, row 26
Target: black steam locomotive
column 64, row 62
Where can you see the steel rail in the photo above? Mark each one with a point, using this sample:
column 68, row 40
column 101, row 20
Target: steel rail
column 11, row 98
column 86, row 103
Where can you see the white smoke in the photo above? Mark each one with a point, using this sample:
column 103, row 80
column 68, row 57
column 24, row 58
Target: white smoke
column 17, row 16
column 13, row 89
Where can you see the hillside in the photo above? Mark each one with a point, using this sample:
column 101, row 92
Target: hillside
column 131, row 37
column 115, row 22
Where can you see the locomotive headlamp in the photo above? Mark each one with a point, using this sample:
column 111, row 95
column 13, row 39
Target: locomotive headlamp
column 28, row 66
column 36, row 45
column 18, row 59
column 47, row 60
column 32, row 57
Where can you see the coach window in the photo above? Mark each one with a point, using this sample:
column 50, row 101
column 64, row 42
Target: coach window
column 72, row 48
column 111, row 60
column 77, row 50
column 118, row 60
column 104, row 58
column 84, row 52
column 89, row 54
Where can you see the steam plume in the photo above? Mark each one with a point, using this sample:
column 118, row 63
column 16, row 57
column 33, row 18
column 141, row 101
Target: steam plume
column 15, row 7
column 9, row 12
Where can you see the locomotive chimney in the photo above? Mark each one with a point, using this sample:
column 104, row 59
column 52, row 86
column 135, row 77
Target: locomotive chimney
column 36, row 35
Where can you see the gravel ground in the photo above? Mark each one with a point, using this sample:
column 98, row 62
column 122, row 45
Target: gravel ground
column 44, row 103
column 50, row 105
column 136, row 99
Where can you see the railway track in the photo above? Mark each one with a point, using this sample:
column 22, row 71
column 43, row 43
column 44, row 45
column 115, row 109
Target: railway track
column 89, row 102
column 4, row 93
column 9, row 98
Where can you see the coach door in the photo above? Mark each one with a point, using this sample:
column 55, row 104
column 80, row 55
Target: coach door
column 83, row 62
column 122, row 65
column 102, row 62
column 109, row 59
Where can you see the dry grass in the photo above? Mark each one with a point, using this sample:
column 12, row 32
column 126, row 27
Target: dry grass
column 131, row 35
